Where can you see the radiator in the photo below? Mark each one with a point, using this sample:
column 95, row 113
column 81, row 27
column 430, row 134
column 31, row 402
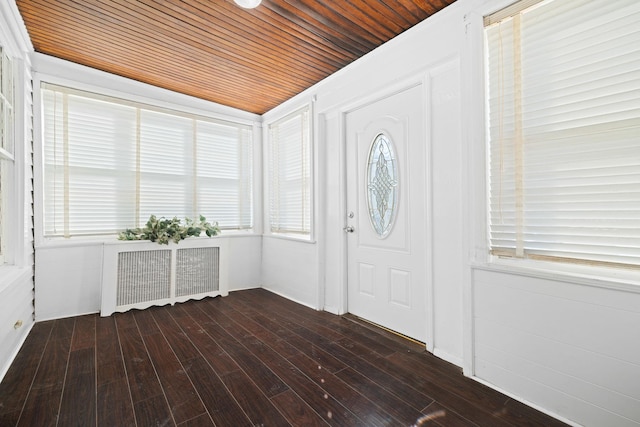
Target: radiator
column 142, row 274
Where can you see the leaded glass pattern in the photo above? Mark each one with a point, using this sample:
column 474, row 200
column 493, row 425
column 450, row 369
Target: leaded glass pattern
column 382, row 184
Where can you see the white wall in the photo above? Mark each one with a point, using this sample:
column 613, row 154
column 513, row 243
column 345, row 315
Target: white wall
column 446, row 210
column 67, row 280
column 245, row 262
column 290, row 269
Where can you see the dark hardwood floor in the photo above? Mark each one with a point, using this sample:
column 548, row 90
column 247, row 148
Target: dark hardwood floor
column 249, row 359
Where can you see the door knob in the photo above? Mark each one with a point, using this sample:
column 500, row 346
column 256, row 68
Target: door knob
column 349, row 229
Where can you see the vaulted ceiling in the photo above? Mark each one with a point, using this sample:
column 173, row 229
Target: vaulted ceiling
column 251, row 59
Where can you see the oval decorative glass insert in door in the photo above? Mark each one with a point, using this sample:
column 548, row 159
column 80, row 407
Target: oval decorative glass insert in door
column 382, row 184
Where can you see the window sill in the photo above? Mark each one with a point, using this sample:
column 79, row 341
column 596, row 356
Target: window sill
column 601, row 277
column 61, row 242
column 291, row 237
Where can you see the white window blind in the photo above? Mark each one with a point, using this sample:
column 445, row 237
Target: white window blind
column 224, row 154
column 109, row 164
column 290, row 174
column 166, row 164
column 564, row 131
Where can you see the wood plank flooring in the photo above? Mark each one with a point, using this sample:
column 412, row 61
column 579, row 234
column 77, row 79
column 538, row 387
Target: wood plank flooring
column 249, row 359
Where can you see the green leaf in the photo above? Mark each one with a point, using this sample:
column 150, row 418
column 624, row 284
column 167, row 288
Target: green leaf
column 164, row 230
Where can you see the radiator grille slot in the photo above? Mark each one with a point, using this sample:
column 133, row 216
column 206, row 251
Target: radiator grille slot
column 143, row 276
column 197, row 271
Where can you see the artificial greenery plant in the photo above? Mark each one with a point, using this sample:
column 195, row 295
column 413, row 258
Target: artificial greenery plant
column 163, row 230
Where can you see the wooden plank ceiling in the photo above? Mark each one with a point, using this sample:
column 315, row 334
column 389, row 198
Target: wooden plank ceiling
column 251, row 59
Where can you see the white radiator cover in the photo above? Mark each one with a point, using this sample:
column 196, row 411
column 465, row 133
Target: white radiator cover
column 142, row 274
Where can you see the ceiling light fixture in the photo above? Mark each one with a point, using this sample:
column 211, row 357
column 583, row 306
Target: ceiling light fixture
column 248, row 4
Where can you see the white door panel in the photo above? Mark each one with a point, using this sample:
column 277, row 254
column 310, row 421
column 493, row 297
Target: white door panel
column 386, row 272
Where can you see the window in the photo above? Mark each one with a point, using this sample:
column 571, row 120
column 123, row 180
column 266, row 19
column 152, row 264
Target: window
column 290, row 174
column 6, row 152
column 109, row 164
column 564, row 131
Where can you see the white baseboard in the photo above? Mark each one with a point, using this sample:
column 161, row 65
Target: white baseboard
column 266, row 288
column 244, row 288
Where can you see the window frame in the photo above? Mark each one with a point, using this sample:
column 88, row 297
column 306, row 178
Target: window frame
column 606, row 276
column 156, row 99
column 10, row 170
column 298, row 109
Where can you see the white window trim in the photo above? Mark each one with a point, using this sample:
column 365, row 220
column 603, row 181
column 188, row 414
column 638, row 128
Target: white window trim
column 290, row 110
column 529, row 215
column 477, row 184
column 15, row 40
column 602, row 277
column 140, row 93
column 15, row 226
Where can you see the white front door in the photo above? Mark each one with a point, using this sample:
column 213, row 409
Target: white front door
column 386, row 212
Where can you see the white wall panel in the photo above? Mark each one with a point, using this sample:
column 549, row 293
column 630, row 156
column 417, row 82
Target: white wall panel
column 67, row 281
column 574, row 363
column 561, row 319
column 16, row 316
column 562, row 370
column 567, row 347
column 446, row 208
column 550, row 399
column 290, row 268
column 333, row 215
column 245, row 262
